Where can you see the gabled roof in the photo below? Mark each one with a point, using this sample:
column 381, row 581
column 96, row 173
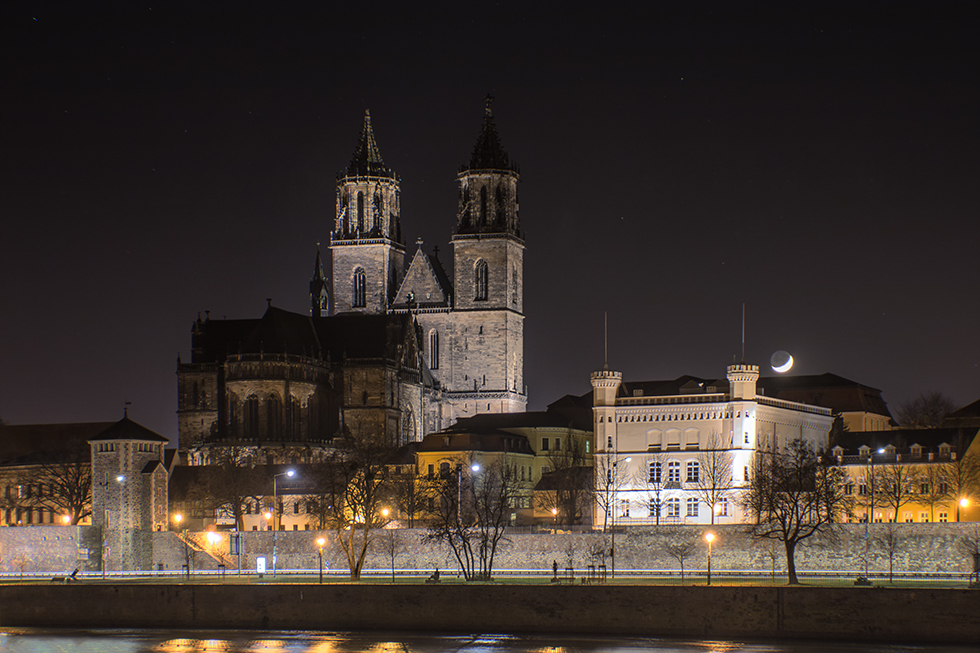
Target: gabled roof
column 500, row 422
column 426, row 284
column 489, row 154
column 367, row 161
column 282, row 332
column 356, row 335
column 486, row 441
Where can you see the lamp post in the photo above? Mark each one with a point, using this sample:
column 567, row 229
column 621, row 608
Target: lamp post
column 459, row 488
column 278, row 514
column 962, row 503
column 615, row 502
column 709, row 538
column 871, row 509
column 320, row 542
column 554, row 513
column 178, row 518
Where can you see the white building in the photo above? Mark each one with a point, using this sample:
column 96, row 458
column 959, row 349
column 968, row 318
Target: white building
column 681, row 452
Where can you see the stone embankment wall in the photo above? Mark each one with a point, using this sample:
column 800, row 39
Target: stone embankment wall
column 912, row 547
column 867, row 614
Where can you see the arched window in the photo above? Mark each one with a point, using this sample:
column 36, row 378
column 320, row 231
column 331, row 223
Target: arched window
column 360, row 212
column 250, row 417
column 434, row 350
column 378, row 211
column 360, row 289
column 482, row 274
column 501, row 203
column 273, row 416
column 673, row 472
column 654, row 472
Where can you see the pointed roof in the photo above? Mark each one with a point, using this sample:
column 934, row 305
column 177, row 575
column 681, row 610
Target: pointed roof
column 367, row 161
column 489, row 154
column 127, row 429
column 282, row 332
column 426, row 283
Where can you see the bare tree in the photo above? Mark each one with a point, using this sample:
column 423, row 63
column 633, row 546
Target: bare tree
column 610, row 478
column 64, row 488
column 897, row 483
column 229, row 483
column 714, row 480
column 356, row 490
column 891, row 539
column 391, row 543
column 933, row 487
column 681, row 548
column 409, row 494
column 471, row 512
column 653, row 478
column 927, row 411
column 568, row 486
column 793, row 495
column 962, row 479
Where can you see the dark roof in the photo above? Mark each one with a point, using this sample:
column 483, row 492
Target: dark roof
column 929, row 439
column 826, row 390
column 495, row 422
column 496, row 441
column 350, row 335
column 127, row 429
column 184, row 477
column 36, row 444
column 576, row 477
column 367, row 161
column 42, row 443
column 489, row 154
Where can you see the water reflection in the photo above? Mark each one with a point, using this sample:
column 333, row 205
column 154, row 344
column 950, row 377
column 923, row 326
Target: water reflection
column 131, row 641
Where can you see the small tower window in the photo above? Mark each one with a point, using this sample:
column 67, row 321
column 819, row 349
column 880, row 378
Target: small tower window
column 360, row 289
column 360, row 213
column 434, row 350
column 483, row 206
column 482, row 274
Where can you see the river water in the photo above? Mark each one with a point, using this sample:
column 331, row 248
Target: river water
column 33, row 640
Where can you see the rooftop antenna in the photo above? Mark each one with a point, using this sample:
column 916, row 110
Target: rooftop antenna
column 126, row 405
column 743, row 333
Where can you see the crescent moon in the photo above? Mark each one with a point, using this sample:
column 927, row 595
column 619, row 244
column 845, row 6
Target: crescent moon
column 785, row 366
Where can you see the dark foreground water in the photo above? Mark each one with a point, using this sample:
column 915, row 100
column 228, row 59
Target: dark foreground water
column 31, row 640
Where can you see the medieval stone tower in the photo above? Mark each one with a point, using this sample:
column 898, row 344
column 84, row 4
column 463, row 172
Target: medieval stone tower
column 472, row 325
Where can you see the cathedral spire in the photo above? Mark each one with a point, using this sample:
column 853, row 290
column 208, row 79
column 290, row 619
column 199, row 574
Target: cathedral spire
column 489, row 154
column 367, row 161
column 319, row 297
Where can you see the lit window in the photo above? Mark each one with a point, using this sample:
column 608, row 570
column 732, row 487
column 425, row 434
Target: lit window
column 693, row 471
column 655, row 471
column 692, row 507
column 673, row 507
column 673, row 472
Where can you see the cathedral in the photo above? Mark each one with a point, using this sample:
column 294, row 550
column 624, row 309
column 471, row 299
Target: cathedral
column 389, row 352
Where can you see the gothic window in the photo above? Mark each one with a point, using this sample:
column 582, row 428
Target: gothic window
column 295, row 415
column 360, row 212
column 483, row 205
column 408, row 426
column 360, row 289
column 378, row 211
column 273, row 416
column 501, row 198
column 434, row 350
column 250, row 417
column 482, row 274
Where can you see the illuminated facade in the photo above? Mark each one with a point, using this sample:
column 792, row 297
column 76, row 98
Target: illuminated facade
column 681, row 452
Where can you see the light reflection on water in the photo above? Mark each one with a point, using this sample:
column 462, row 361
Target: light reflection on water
column 142, row 641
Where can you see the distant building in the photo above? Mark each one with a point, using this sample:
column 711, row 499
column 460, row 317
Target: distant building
column 387, row 353
column 912, row 475
column 671, row 453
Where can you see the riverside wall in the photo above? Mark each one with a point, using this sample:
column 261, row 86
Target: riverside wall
column 934, row 547
column 861, row 614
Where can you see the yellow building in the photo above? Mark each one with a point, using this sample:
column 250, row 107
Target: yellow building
column 912, row 475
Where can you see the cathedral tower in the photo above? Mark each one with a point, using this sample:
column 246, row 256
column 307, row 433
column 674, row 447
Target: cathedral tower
column 488, row 262
column 368, row 255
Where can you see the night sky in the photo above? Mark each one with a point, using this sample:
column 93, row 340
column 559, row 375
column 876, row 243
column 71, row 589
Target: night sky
column 819, row 164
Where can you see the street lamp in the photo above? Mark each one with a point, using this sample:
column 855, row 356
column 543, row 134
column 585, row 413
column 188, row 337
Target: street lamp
column 709, row 538
column 475, row 467
column 66, row 519
column 615, row 502
column 962, row 503
column 278, row 513
column 554, row 512
column 178, row 518
column 871, row 510
column 320, row 542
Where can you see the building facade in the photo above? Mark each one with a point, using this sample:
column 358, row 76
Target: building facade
column 682, row 452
